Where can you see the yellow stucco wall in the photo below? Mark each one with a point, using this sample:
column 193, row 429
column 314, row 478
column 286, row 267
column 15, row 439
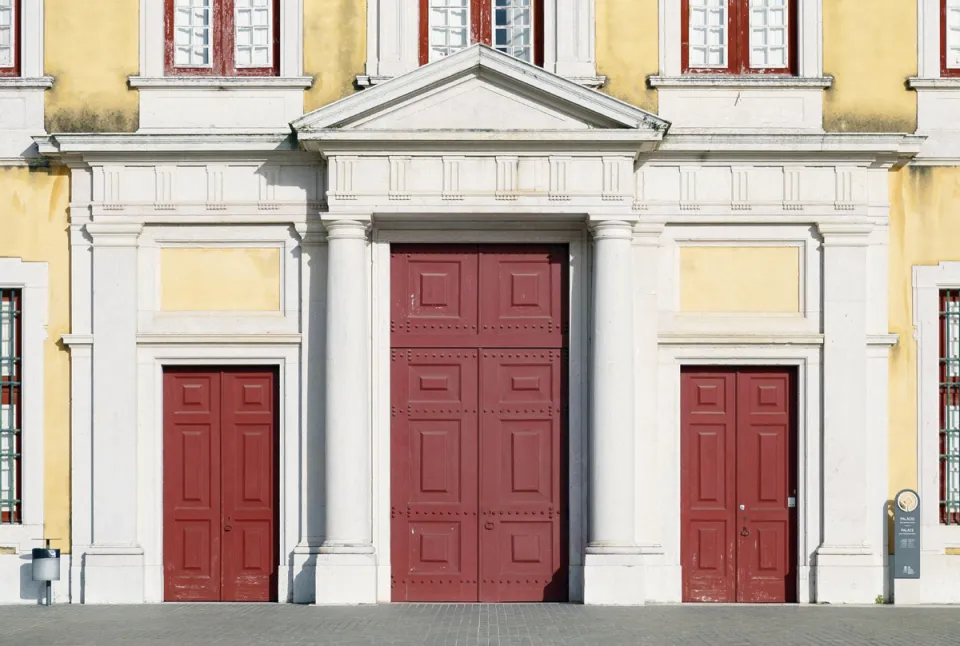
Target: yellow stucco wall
column 335, row 48
column 924, row 230
column 727, row 280
column 33, row 227
column 90, row 93
column 627, row 49
column 870, row 48
column 220, row 280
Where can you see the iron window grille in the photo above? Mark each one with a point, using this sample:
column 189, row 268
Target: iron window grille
column 11, row 379
column 950, row 407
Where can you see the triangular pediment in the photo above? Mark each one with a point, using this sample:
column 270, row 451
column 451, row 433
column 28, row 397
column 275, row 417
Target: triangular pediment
column 479, row 89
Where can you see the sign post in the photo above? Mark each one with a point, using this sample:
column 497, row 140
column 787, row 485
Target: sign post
column 906, row 547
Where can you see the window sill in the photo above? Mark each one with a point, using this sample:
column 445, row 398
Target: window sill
column 943, row 83
column 593, row 82
column 20, row 82
column 743, row 81
column 222, row 82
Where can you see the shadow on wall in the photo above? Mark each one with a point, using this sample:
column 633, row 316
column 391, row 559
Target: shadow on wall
column 29, row 589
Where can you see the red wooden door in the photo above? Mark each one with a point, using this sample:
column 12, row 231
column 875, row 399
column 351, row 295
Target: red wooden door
column 478, row 415
column 220, row 485
column 191, row 486
column 737, row 474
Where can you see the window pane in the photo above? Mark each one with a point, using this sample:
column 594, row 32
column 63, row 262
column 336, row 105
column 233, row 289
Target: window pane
column 7, row 33
column 513, row 28
column 254, row 24
column 708, row 33
column 953, row 34
column 768, row 33
column 193, row 22
column 10, row 371
column 449, row 27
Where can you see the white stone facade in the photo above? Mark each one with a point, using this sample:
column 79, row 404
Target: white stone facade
column 479, row 148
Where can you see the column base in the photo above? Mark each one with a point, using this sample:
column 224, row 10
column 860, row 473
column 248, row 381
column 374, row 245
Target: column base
column 346, row 575
column 113, row 575
column 615, row 577
column 848, row 574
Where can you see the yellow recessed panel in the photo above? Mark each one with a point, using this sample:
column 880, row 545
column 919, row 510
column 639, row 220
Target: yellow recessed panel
column 234, row 279
column 760, row 280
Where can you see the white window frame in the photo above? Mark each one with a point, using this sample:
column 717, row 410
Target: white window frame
column 236, row 39
column 928, row 45
column 152, row 50
column 31, row 279
column 927, row 283
column 30, row 43
column 809, row 44
column 569, row 40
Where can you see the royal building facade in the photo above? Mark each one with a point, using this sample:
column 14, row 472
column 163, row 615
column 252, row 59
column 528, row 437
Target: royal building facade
column 600, row 301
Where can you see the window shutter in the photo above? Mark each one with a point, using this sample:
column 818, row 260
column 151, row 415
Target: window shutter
column 709, row 34
column 193, row 31
column 254, row 40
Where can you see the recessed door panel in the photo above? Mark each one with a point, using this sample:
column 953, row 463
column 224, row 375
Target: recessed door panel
column 220, row 485
column 477, row 441
column 738, row 437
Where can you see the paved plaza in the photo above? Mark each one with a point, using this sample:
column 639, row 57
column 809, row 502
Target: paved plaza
column 424, row 624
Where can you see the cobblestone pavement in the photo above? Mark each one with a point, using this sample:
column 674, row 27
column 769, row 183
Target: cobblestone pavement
column 424, row 624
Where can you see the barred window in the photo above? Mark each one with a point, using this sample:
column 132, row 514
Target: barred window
column 950, row 407
column 10, row 408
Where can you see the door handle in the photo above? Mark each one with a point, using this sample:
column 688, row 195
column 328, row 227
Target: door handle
column 227, row 528
column 488, row 525
column 744, row 532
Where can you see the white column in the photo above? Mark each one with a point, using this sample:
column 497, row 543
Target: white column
column 848, row 562
column 113, row 565
column 313, row 261
column 346, row 565
column 611, row 572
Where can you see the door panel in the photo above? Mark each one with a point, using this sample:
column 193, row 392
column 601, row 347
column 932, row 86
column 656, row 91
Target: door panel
column 766, row 562
column 456, row 471
column 737, row 474
column 220, row 485
column 248, row 446
column 708, row 483
column 433, row 469
column 191, row 487
column 521, row 549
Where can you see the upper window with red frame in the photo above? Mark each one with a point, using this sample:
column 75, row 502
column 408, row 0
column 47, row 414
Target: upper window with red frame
column 950, row 37
column 222, row 38
column 9, row 37
column 739, row 36
column 514, row 27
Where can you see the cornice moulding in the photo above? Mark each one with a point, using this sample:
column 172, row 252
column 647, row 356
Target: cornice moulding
column 943, row 83
column 89, row 143
column 221, row 82
column 29, row 82
column 745, row 81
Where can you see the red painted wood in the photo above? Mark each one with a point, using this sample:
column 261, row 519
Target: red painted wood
column 738, row 438
column 454, row 471
column 738, row 53
column 14, row 69
column 522, row 547
column 222, row 40
column 481, row 27
column 191, row 486
column 766, row 557
column 220, row 490
column 249, row 489
column 944, row 70
column 708, row 485
column 434, row 475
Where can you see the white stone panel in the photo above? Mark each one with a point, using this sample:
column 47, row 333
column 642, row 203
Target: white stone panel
column 796, row 109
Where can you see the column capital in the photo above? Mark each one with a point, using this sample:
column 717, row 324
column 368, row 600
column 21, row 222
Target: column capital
column 310, row 233
column 845, row 234
column 353, row 227
column 611, row 229
column 110, row 234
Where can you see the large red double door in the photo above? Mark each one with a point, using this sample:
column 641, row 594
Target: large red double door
column 738, row 485
column 478, row 358
column 220, row 485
